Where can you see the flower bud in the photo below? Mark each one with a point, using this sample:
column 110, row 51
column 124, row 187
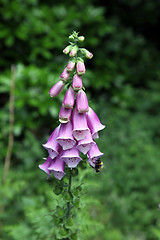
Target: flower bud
column 81, row 38
column 80, row 68
column 73, row 52
column 77, row 83
column 68, row 101
column 67, row 49
column 70, row 66
column 65, row 114
column 56, row 89
column 86, row 53
column 65, row 75
column 71, row 37
column 82, row 102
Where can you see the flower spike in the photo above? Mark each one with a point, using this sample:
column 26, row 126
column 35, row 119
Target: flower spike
column 79, row 124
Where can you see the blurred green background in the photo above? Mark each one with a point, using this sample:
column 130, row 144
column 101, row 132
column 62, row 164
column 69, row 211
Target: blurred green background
column 123, row 86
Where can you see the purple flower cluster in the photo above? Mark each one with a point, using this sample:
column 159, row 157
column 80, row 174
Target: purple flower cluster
column 79, row 125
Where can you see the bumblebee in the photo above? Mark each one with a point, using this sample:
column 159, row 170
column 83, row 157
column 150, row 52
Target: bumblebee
column 98, row 166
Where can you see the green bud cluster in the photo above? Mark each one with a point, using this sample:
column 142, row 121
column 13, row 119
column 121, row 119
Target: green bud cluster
column 73, row 48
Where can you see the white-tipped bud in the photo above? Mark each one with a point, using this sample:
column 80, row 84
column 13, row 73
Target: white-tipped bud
column 67, row 49
column 73, row 52
column 86, row 53
column 81, row 38
column 71, row 37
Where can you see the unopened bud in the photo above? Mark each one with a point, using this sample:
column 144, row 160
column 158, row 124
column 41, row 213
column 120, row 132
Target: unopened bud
column 56, row 89
column 77, row 82
column 86, row 53
column 67, row 49
column 65, row 114
column 73, row 52
column 81, row 38
column 65, row 75
column 80, row 67
column 71, row 37
column 70, row 66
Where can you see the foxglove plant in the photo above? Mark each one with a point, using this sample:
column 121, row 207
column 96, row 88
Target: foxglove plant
column 72, row 142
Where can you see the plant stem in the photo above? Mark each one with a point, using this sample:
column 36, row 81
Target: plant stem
column 69, row 191
column 11, row 122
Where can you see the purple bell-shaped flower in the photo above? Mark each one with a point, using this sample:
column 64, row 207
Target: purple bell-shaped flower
column 80, row 127
column 52, row 145
column 71, row 157
column 57, row 168
column 65, row 138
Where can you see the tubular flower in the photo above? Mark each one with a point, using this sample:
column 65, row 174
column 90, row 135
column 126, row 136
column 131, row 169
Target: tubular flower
column 71, row 157
column 93, row 122
column 57, row 168
column 82, row 102
column 65, row 114
column 46, row 165
column 52, row 145
column 65, row 75
column 65, row 138
column 80, row 68
column 56, row 89
column 85, row 144
column 80, row 127
column 94, row 154
column 77, row 83
column 68, row 101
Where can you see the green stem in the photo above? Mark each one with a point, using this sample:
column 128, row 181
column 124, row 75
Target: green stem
column 69, row 191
